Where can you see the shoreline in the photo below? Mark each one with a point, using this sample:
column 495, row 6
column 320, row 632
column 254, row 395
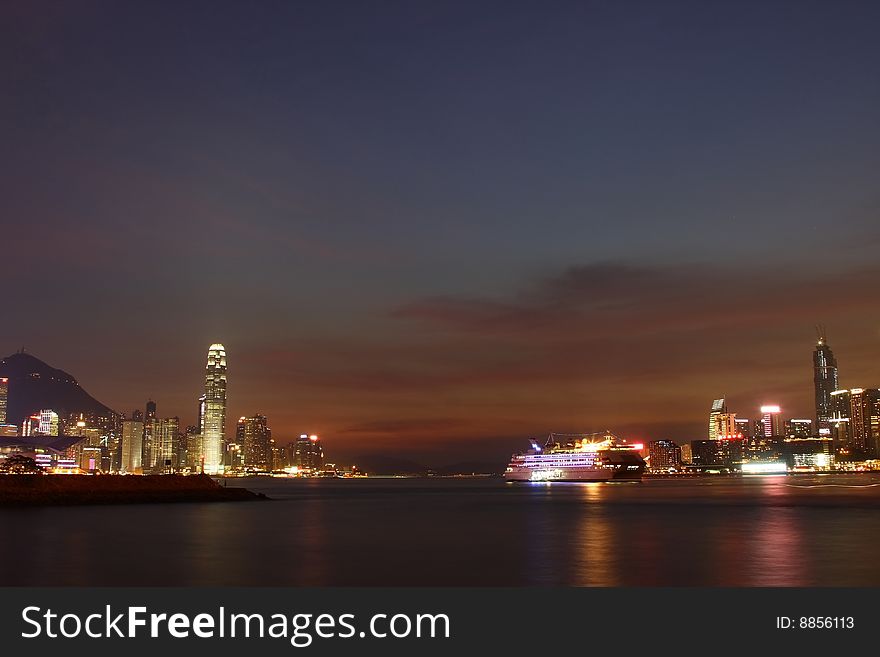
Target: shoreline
column 72, row 490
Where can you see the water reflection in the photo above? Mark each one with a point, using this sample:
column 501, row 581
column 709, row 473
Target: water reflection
column 595, row 559
column 732, row 532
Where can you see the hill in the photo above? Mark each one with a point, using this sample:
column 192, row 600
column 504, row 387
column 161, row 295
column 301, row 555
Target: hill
column 34, row 385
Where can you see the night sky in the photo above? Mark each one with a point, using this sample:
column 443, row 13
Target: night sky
column 437, row 229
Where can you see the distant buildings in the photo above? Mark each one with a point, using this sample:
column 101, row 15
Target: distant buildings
column 254, row 438
column 308, row 453
column 722, row 454
column 215, row 410
column 664, row 455
column 855, row 423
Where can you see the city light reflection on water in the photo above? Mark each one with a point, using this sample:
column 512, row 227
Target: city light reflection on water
column 750, row 531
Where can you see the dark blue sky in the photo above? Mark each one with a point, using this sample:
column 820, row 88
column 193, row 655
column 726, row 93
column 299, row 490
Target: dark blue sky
column 417, row 223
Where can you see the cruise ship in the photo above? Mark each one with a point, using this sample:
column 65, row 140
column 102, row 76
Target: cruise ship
column 578, row 457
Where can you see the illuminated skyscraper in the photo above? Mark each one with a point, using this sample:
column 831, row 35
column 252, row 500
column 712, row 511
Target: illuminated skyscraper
column 254, row 438
column 726, row 427
column 771, row 421
column 165, row 444
column 4, row 394
column 215, row 409
column 825, row 382
column 718, row 407
column 840, row 429
column 149, row 431
column 308, row 453
column 864, row 422
column 132, row 446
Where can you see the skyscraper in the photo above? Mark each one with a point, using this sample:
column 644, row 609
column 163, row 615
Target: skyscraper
column 771, row 421
column 132, row 446
column 840, row 428
column 308, row 453
column 824, row 381
column 255, row 440
column 215, row 409
column 864, row 422
column 165, row 444
column 718, row 407
column 4, row 393
column 726, row 427
column 149, row 432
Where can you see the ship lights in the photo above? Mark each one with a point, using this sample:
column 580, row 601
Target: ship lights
column 588, row 446
column 544, row 475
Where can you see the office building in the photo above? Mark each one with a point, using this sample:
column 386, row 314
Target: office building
column 308, row 453
column 798, row 428
column 855, row 423
column 254, row 437
column 864, row 422
column 165, row 445
column 686, row 454
column 718, row 408
column 194, row 452
column 150, row 420
column 90, row 459
column 744, row 427
column 717, row 454
column 771, row 421
column 726, row 427
column 664, row 455
column 132, row 446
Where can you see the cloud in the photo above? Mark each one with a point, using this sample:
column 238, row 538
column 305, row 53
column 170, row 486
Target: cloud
column 616, row 300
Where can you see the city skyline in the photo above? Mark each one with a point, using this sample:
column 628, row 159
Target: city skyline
column 435, row 229
column 766, row 419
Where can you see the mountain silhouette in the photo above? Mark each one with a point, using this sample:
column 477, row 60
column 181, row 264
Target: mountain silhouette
column 34, row 385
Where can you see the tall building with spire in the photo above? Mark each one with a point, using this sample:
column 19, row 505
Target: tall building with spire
column 215, row 409
column 825, row 382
